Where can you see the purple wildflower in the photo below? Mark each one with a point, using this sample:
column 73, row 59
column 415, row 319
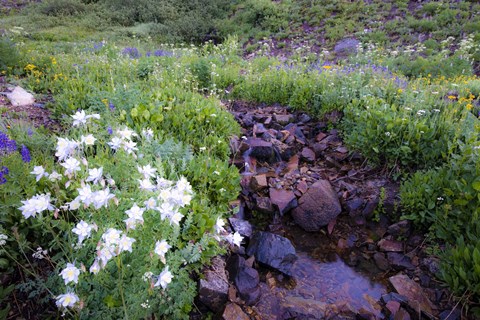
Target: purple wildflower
column 3, row 173
column 29, row 132
column 111, row 106
column 132, row 52
column 7, row 145
column 5, row 170
column 109, row 130
column 25, row 154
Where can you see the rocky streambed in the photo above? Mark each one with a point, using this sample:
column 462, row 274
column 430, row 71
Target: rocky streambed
column 322, row 239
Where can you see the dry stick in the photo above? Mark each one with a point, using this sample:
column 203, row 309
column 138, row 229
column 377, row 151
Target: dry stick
column 16, row 301
column 455, row 306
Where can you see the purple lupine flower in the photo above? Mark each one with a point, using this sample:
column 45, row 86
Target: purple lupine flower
column 3, row 172
column 109, row 130
column 25, row 154
column 29, row 132
column 132, row 52
column 111, row 106
column 162, row 53
column 7, row 145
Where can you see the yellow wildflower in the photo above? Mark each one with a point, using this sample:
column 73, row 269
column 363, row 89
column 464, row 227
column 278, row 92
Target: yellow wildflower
column 469, row 106
column 400, row 90
column 452, row 97
column 29, row 67
column 54, row 61
column 327, row 67
column 105, row 102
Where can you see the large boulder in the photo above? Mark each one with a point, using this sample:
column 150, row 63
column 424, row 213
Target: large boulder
column 245, row 278
column 19, row 97
column 273, row 250
column 317, row 207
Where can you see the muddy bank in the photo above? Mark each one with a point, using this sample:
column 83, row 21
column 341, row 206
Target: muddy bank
column 322, row 237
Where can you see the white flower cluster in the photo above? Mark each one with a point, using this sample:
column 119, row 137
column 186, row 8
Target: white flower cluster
column 221, row 234
column 80, row 118
column 124, row 139
column 37, row 204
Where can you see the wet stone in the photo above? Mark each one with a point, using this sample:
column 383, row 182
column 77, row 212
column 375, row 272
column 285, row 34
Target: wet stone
column 302, row 186
column 245, row 278
column 381, row 261
column 402, row 314
column 400, row 261
column 416, row 298
column 261, row 150
column 393, row 307
column 354, row 206
column 283, row 200
column 263, row 205
column 304, row 118
column 283, row 119
column 284, row 150
column 272, row 250
column 317, row 207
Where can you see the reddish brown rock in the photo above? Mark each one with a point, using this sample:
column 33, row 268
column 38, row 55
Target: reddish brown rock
column 283, row 200
column 258, row 182
column 317, row 207
column 234, row 312
column 263, row 205
column 283, row 119
column 261, row 150
column 390, row 245
column 416, row 298
column 393, row 307
column 320, row 136
column 302, row 186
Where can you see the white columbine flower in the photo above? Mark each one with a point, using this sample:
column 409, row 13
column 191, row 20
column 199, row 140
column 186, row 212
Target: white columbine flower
column 129, row 146
column 116, row 143
column 161, row 247
column 111, row 237
column 126, row 133
column 70, row 273
column 219, row 226
column 95, row 267
column 146, row 184
column 100, row 198
column 95, row 175
column 136, row 213
column 125, row 243
column 54, row 176
column 234, row 239
column 85, row 194
column 147, row 133
column 71, row 165
column 105, row 254
column 176, row 218
column 83, row 230
column 74, row 204
column 88, row 140
column 164, row 278
column 150, row 203
column 36, row 204
column 39, row 171
column 147, row 171
column 66, row 300
column 65, row 148
column 79, row 118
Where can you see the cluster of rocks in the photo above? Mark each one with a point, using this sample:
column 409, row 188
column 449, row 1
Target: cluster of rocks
column 296, row 171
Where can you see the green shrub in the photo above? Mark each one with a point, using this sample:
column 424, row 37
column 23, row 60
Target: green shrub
column 9, row 56
column 59, row 8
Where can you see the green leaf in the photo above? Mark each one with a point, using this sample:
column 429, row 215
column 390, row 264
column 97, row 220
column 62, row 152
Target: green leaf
column 476, row 185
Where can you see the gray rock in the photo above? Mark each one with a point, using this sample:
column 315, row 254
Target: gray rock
column 416, row 298
column 19, row 97
column 213, row 289
column 401, row 228
column 346, row 47
column 317, row 207
column 261, row 150
column 273, row 250
column 245, row 278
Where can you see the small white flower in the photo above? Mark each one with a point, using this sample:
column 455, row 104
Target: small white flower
column 126, row 133
column 100, row 198
column 40, row 253
column 440, row 199
column 54, row 176
column 125, row 243
column 105, row 254
column 70, row 273
column 71, row 165
column 111, row 237
column 116, row 143
column 85, row 194
column 65, row 148
column 163, row 183
column 203, row 148
column 3, row 239
column 164, row 278
column 219, row 226
column 161, row 248
column 129, row 146
column 234, row 239
column 146, row 184
column 83, row 230
column 88, row 140
column 79, row 118
column 147, row 276
column 66, row 300
column 39, row 171
column 95, row 175
column 147, row 133
column 387, row 134
column 150, row 203
column 74, row 204
column 147, row 171
column 95, row 267
column 176, row 218
column 216, row 172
